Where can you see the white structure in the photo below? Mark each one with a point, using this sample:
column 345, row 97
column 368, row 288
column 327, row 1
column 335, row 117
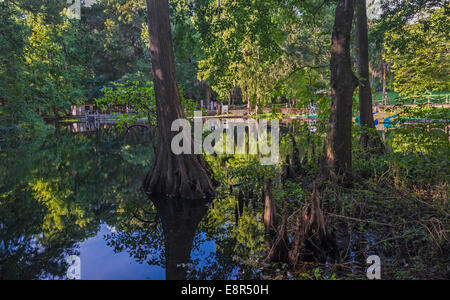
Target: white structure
column 74, row 8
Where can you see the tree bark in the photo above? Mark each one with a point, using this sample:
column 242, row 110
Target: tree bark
column 270, row 212
column 208, row 96
column 384, row 97
column 276, row 239
column 337, row 161
column 369, row 138
column 229, row 101
column 175, row 176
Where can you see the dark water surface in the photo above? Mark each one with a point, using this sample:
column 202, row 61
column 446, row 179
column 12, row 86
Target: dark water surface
column 76, row 191
column 67, row 193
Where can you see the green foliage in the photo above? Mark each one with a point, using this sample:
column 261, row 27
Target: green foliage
column 240, row 40
column 12, row 45
column 266, row 48
column 427, row 113
column 43, row 69
column 117, row 46
column 53, row 70
column 417, row 156
column 418, row 54
column 302, row 69
column 56, row 188
column 187, row 48
column 420, row 140
column 138, row 97
column 316, row 274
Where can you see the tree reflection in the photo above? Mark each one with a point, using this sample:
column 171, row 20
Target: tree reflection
column 57, row 189
column 55, row 192
column 180, row 220
column 196, row 239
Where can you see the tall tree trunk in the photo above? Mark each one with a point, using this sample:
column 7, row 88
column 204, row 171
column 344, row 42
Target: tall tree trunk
column 55, row 112
column 369, row 138
column 229, row 101
column 180, row 176
column 384, row 97
column 338, row 156
column 208, row 96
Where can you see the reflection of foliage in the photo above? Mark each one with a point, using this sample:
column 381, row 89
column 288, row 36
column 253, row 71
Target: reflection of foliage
column 21, row 257
column 249, row 238
column 145, row 245
column 236, row 228
column 239, row 246
column 136, row 154
column 55, row 192
column 138, row 233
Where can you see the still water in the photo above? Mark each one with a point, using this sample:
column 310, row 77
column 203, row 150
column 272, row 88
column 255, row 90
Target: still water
column 67, row 194
column 75, row 191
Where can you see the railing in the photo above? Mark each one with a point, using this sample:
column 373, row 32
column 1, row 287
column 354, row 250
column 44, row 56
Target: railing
column 413, row 100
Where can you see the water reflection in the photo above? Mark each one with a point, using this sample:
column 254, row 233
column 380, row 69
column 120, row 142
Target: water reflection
column 65, row 194
column 55, row 192
column 79, row 193
column 180, row 220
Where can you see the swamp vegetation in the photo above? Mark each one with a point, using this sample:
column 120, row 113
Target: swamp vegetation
column 353, row 179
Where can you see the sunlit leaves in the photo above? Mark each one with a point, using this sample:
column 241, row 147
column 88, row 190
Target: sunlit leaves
column 419, row 54
column 240, row 41
column 138, row 97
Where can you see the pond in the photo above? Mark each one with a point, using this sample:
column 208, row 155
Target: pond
column 80, row 194
column 77, row 193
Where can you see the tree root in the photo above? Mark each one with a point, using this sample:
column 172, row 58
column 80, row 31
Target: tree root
column 179, row 176
column 312, row 240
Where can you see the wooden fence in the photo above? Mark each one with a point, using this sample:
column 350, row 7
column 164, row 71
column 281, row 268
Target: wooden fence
column 415, row 100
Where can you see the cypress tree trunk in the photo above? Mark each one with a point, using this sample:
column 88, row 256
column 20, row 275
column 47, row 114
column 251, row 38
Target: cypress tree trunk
column 384, row 97
column 180, row 176
column 208, row 95
column 369, row 139
column 337, row 160
column 276, row 239
column 270, row 212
